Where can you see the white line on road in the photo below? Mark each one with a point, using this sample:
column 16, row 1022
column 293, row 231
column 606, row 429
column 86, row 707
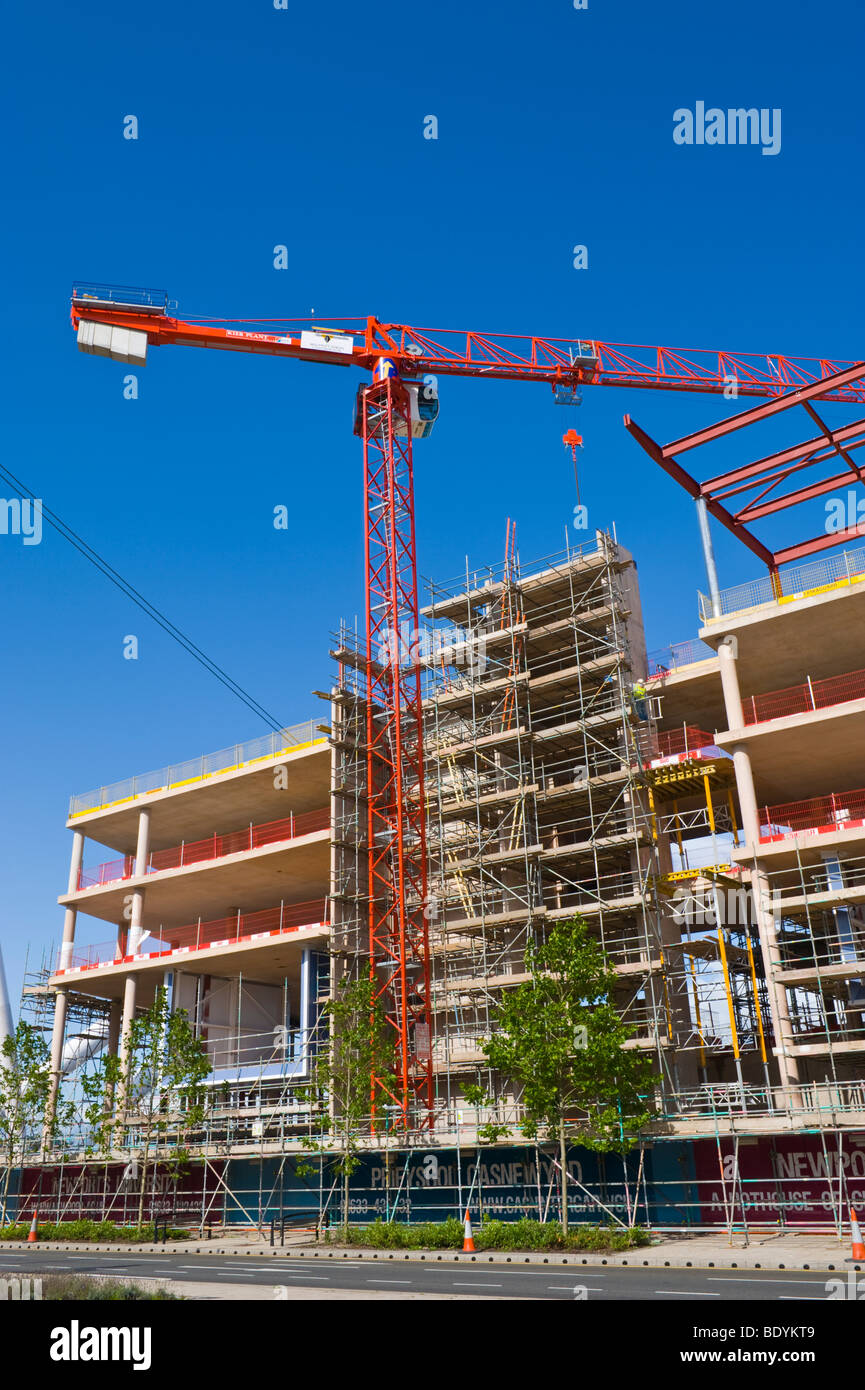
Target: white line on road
column 388, row 1281
column 308, row 1278
column 474, row 1284
column 569, row 1288
column 686, row 1293
column 803, row 1283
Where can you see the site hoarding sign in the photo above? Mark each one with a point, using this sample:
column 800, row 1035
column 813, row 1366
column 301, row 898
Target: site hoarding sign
column 785, row 1180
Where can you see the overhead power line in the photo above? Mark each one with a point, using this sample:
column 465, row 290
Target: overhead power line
column 144, row 604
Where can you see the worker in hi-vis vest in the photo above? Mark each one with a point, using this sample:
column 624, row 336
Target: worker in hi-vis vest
column 638, row 695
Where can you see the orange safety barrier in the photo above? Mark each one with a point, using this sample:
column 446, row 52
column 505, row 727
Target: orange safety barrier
column 222, row 931
column 685, row 740
column 214, row 847
column 798, row 699
column 818, row 813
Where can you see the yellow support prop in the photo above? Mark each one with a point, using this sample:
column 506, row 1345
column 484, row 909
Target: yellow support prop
column 729, row 994
column 654, row 817
column 756, row 997
column 709, row 807
column 697, row 1013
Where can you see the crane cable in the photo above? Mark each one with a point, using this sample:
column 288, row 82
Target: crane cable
column 144, row 604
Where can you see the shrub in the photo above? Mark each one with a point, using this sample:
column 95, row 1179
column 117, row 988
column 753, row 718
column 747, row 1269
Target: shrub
column 89, row 1230
column 522, row 1234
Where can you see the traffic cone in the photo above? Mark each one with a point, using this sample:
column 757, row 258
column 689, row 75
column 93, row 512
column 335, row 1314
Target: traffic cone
column 34, row 1235
column 468, row 1241
column 858, row 1250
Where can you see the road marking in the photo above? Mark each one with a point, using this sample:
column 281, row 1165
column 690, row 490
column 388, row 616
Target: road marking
column 388, row 1281
column 714, row 1279
column 474, row 1284
column 791, row 1298
column 569, row 1288
column 686, row 1293
column 308, row 1278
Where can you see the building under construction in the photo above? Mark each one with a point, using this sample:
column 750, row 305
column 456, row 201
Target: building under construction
column 701, row 809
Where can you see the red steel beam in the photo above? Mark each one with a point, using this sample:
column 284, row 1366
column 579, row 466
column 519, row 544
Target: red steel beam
column 675, row 470
column 798, row 396
column 817, row 543
column 791, row 455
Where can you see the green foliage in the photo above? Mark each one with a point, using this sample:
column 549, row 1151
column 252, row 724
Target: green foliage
column 492, row 1235
column 393, row 1235
column 62, row 1288
column 25, row 1090
column 360, row 1048
column 560, row 1038
column 487, row 1133
column 90, row 1230
column 162, row 1089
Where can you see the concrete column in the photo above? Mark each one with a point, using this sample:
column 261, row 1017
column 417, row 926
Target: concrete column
column 788, row 1068
column 112, row 1041
column 78, row 842
column 142, row 852
column 727, row 653
column 58, row 1035
column 143, row 848
column 71, row 915
column 129, row 991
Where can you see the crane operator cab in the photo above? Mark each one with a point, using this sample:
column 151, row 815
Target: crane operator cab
column 423, row 403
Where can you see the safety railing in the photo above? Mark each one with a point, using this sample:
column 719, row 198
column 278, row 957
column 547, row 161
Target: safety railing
column 208, row 765
column 687, row 739
column 606, row 890
column 800, row 581
column 800, row 882
column 85, row 291
column 273, row 1049
column 824, row 939
column 473, row 580
column 818, row 813
column 213, row 847
column 221, row 931
column 799, row 699
column 678, row 654
column 592, row 760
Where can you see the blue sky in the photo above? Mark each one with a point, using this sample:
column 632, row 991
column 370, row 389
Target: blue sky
column 304, row 127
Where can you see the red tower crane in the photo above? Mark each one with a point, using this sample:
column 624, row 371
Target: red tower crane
column 401, row 404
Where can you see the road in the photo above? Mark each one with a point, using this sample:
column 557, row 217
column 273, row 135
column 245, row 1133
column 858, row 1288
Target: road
column 697, row 1286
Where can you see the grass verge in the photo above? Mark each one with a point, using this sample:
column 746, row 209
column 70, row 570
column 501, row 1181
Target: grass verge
column 80, row 1288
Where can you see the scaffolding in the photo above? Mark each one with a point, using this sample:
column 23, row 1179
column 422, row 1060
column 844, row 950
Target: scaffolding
column 537, row 796
column 550, row 791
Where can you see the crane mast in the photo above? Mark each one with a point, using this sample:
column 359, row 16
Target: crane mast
column 396, row 808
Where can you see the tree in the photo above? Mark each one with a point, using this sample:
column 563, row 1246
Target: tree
column 560, row 1039
column 360, row 1048
column 160, row 1091
column 25, row 1094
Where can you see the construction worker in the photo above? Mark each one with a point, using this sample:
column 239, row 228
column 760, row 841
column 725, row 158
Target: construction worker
column 639, row 696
